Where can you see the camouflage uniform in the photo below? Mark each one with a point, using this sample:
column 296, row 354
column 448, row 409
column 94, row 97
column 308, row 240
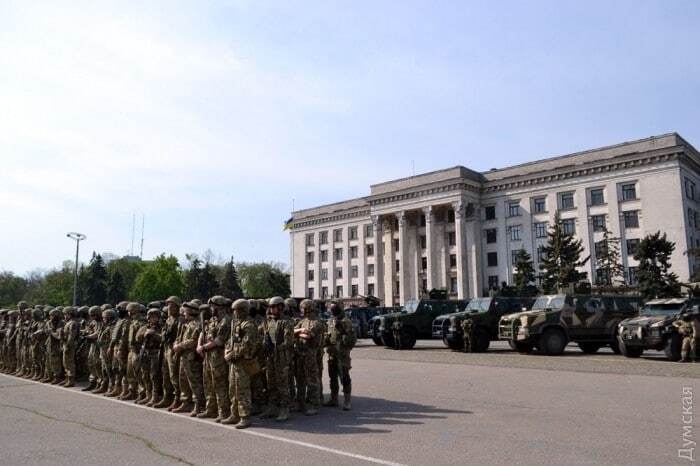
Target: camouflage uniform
column 241, row 353
column 10, row 346
column 190, row 362
column 90, row 333
column 216, row 370
column 258, row 381
column 69, row 338
column 134, row 376
column 119, row 346
column 104, row 339
column 340, row 339
column 309, row 335
column 3, row 327
column 171, row 361
column 278, row 341
column 20, row 341
column 689, row 329
column 149, row 338
column 53, row 346
column 38, row 344
column 185, row 394
column 467, row 335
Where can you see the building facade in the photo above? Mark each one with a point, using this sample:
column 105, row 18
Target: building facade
column 459, row 230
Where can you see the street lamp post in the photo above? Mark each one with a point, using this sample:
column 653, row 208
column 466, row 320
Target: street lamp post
column 78, row 237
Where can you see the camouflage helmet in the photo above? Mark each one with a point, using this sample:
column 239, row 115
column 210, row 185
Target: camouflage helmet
column 253, row 304
column 291, row 303
column 134, row 307
column 219, row 300
column 155, row 305
column 276, row 301
column 48, row 308
column 241, row 305
column 153, row 312
column 38, row 314
column 307, row 305
column 59, row 309
column 122, row 305
column 13, row 313
column 71, row 311
column 22, row 305
column 55, row 313
column 196, row 301
column 174, row 300
column 191, row 308
column 262, row 304
column 94, row 312
column 109, row 314
column 3, row 312
column 337, row 302
column 105, row 306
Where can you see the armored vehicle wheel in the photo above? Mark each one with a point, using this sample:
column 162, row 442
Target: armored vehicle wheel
column 377, row 341
column 629, row 351
column 408, row 338
column 481, row 341
column 522, row 348
column 552, row 342
column 388, row 341
column 672, row 348
column 454, row 345
column 615, row 346
column 589, row 348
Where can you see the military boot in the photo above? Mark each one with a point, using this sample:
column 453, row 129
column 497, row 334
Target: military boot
column 153, row 400
column 115, row 391
column 197, row 410
column 70, row 382
column 207, row 414
column 223, row 414
column 232, row 419
column 312, row 411
column 45, row 379
column 37, row 376
column 332, row 401
column 269, row 412
column 130, row 395
column 91, row 386
column 243, row 423
column 140, row 397
column 101, row 388
column 56, row 381
column 346, row 402
column 185, row 407
column 164, row 403
column 144, row 400
column 175, row 404
column 283, row 414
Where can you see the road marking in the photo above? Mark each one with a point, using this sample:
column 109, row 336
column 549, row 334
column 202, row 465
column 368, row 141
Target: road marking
column 254, row 433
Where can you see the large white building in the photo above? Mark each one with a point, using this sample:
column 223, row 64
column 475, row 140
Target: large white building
column 458, row 229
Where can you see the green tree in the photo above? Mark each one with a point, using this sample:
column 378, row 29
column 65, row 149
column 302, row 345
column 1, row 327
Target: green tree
column 158, row 279
column 12, row 289
column 654, row 271
column 54, row 287
column 608, row 262
column 95, row 281
column 524, row 275
column 129, row 269
column 193, row 277
column 230, row 285
column 208, row 284
column 262, row 279
column 116, row 287
column 562, row 257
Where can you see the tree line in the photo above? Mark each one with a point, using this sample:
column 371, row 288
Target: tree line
column 144, row 281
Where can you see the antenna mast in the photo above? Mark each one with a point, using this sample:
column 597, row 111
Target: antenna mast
column 133, row 232
column 143, row 222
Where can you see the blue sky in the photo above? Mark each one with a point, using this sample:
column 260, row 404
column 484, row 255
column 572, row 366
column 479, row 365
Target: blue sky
column 210, row 117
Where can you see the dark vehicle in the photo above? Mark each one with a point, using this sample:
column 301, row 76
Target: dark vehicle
column 360, row 317
column 555, row 320
column 653, row 329
column 485, row 313
column 413, row 322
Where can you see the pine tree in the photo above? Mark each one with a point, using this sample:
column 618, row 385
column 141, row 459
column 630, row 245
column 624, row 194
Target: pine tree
column 116, row 287
column 654, row 275
column 193, row 278
column 207, row 286
column 524, row 274
column 608, row 260
column 95, row 281
column 562, row 257
column 230, row 284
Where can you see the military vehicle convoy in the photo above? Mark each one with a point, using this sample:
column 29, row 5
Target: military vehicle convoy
column 485, row 314
column 401, row 330
column 555, row 320
column 653, row 329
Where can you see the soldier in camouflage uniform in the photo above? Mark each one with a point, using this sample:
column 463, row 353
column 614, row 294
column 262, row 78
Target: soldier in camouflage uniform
column 54, row 347
column 688, row 328
column 90, row 333
column 185, row 397
column 82, row 351
column 69, row 338
column 10, row 346
column 340, row 339
column 291, row 312
column 38, row 343
column 467, row 335
column 190, row 362
column 211, row 346
column 309, row 334
column 171, row 362
column 149, row 337
column 257, row 381
column 3, row 327
column 104, row 337
column 134, row 377
column 241, row 353
column 119, row 349
column 278, row 342
column 21, row 337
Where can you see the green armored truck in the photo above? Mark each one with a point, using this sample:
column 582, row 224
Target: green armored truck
column 485, row 314
column 400, row 330
column 555, row 320
column 653, row 329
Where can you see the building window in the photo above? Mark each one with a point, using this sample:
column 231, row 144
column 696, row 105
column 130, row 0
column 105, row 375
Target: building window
column 453, row 285
column 309, row 239
column 339, row 291
column 398, row 287
column 396, row 245
column 569, row 226
column 450, row 216
column 338, row 254
column 370, row 289
column 422, row 220
column 424, row 263
column 309, row 257
column 598, row 222
column 370, row 270
column 423, row 242
column 397, row 264
column 689, row 189
column 491, row 235
column 453, row 260
column 370, row 250
column 601, row 248
column 310, row 275
column 451, row 238
column 324, row 274
column 338, row 273
column 632, row 246
column 490, row 212
column 629, row 192
column 541, row 229
column 324, row 292
column 541, row 254
column 514, row 209
column 631, row 219
column 597, row 196
column 323, row 237
column 424, row 284
column 310, row 293
column 353, row 290
column 566, row 201
column 493, row 282
column 516, row 232
column 353, row 271
column 324, row 255
column 540, row 205
column 338, row 235
column 353, row 252
column 632, row 275
column 492, row 259
column 514, row 256
column 369, row 231
column 396, row 224
column 601, row 276
column 352, row 232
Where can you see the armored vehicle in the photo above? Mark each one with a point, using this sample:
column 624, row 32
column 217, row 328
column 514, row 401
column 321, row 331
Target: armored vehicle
column 555, row 320
column 360, row 317
column 653, row 329
column 411, row 323
column 485, row 314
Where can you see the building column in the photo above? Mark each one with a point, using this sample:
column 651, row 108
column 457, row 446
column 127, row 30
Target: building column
column 460, row 234
column 429, row 243
column 378, row 258
column 473, row 253
column 404, row 293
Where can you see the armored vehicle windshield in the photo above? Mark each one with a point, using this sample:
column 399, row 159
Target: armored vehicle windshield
column 663, row 308
column 479, row 305
column 549, row 302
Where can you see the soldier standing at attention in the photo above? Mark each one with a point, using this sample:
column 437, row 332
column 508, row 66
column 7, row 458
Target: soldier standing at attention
column 109, row 318
column 53, row 346
column 38, row 343
column 171, row 363
column 119, row 346
column 133, row 373
column 258, row 382
column 69, row 337
column 211, row 346
column 278, row 342
column 688, row 329
column 149, row 337
column 309, row 334
column 467, row 335
column 21, row 331
column 190, row 362
column 242, row 355
column 340, row 339
column 91, row 332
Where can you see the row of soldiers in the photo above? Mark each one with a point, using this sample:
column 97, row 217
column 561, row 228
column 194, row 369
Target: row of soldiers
column 223, row 360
